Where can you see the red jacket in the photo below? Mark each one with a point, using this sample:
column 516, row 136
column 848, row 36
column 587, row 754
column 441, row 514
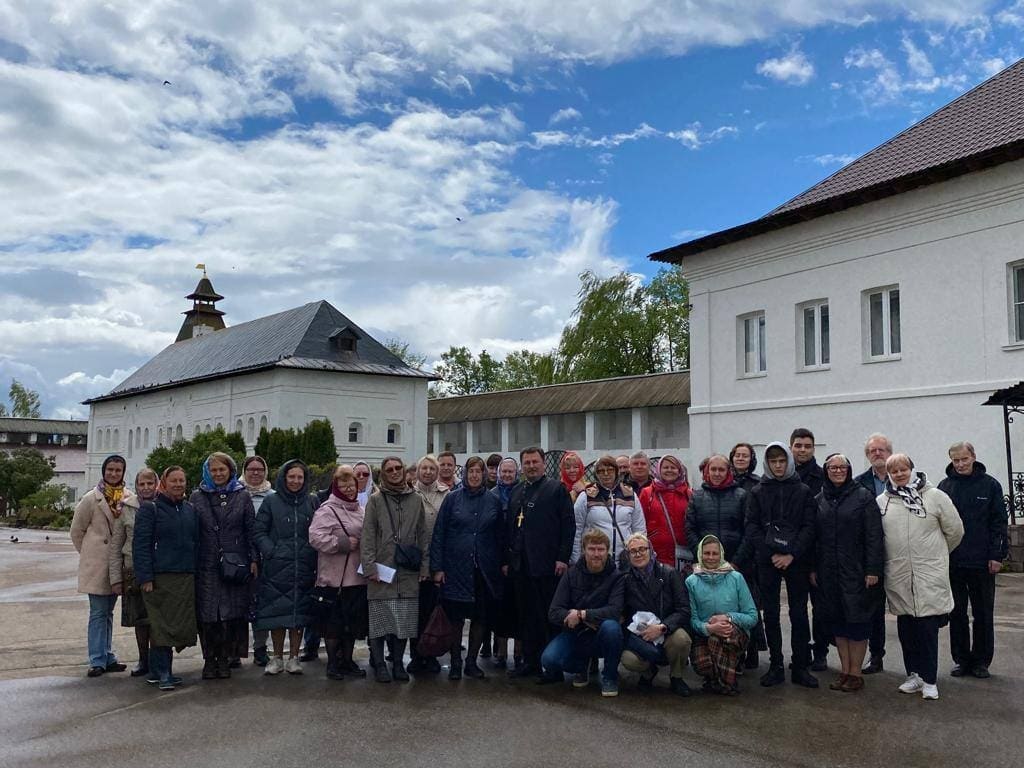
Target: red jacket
column 658, row 532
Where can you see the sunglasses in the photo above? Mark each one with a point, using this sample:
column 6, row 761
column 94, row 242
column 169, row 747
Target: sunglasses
column 638, row 551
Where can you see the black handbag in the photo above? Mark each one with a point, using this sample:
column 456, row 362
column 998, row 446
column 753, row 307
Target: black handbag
column 779, row 537
column 325, row 598
column 234, row 568
column 407, row 556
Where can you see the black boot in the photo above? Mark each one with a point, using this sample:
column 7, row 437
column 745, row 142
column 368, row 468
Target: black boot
column 801, row 676
column 223, row 667
column 455, row 668
column 346, row 662
column 380, row 667
column 398, row 672
column 334, row 671
column 775, row 675
column 210, row 669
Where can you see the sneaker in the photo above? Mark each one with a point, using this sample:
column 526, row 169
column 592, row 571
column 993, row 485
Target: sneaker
column 774, row 676
column 929, row 691
column 800, row 676
column 873, row 667
column 275, row 666
column 912, row 684
column 581, row 679
column 142, row 670
column 611, row 687
column 293, row 666
column 95, row 671
column 167, row 684
column 116, row 666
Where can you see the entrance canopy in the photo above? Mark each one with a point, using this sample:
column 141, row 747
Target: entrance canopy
column 1012, row 401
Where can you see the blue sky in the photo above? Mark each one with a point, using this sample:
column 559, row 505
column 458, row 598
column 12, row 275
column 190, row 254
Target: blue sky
column 329, row 149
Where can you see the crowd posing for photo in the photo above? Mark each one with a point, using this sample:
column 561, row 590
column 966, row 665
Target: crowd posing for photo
column 634, row 569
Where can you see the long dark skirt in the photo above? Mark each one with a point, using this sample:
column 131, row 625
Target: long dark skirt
column 228, row 638
column 483, row 607
column 133, row 607
column 171, row 608
column 349, row 615
column 504, row 622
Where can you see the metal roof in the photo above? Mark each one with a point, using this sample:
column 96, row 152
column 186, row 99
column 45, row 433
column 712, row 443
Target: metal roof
column 44, row 426
column 1009, row 396
column 295, row 338
column 599, row 395
column 982, row 128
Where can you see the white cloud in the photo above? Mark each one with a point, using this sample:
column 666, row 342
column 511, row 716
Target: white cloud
column 887, row 83
column 692, row 137
column 567, row 114
column 993, row 66
column 793, row 69
column 917, row 59
column 684, row 235
column 828, row 159
column 1012, row 15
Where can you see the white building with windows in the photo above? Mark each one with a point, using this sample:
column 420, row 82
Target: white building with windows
column 889, row 297
column 283, row 370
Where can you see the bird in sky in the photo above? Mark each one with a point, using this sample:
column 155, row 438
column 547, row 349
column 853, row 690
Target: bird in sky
column 167, row 82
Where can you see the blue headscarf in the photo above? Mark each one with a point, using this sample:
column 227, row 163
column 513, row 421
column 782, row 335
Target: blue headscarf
column 504, row 491
column 232, row 485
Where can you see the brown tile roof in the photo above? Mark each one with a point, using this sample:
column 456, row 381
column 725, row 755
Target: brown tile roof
column 982, row 128
column 600, row 395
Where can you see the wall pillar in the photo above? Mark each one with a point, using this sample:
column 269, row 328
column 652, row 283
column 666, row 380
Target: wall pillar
column 544, row 433
column 588, row 430
column 638, row 428
column 470, row 439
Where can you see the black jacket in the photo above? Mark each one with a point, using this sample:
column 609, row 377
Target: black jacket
column 226, row 521
column 601, row 595
column 165, row 538
column 284, row 595
column 468, row 535
column 867, row 480
column 811, row 475
column 546, row 531
column 848, row 546
column 721, row 512
column 661, row 592
column 789, row 505
column 978, row 498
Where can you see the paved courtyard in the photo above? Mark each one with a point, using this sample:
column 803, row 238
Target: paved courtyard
column 53, row 715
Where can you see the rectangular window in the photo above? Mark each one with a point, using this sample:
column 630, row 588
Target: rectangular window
column 754, row 358
column 1017, row 307
column 814, row 334
column 882, row 309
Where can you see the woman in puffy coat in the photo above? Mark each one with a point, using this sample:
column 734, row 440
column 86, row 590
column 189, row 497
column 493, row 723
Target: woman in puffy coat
column 848, row 564
column 743, row 461
column 226, row 530
column 92, row 528
column 335, row 534
column 921, row 528
column 284, row 597
column 465, row 556
column 664, row 504
column 610, row 506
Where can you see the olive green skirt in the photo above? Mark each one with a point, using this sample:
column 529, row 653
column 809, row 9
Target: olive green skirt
column 133, row 608
column 171, row 608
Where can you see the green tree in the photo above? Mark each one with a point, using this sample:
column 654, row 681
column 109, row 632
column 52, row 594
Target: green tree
column 23, row 472
column 318, row 446
column 668, row 301
column 24, row 402
column 524, row 368
column 262, row 442
column 400, row 349
column 190, row 454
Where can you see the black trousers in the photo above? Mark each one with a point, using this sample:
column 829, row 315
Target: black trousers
column 876, row 644
column 533, row 597
column 798, row 585
column 919, row 639
column 977, row 587
column 819, row 634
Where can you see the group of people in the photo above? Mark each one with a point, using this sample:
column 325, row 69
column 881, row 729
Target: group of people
column 630, row 566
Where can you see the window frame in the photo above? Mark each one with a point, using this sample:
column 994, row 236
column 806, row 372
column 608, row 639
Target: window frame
column 761, row 345
column 887, row 354
column 1015, row 302
column 822, row 340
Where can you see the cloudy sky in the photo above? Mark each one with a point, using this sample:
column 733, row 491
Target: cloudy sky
column 440, row 171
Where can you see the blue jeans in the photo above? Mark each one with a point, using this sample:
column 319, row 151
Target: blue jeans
column 655, row 654
column 161, row 661
column 571, row 651
column 101, row 630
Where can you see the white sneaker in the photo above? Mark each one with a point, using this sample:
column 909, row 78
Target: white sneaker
column 912, row 684
column 293, row 666
column 929, row 691
column 275, row 666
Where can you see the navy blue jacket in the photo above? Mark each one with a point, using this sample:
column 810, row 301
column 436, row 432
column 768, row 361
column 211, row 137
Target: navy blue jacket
column 867, row 479
column 468, row 535
column 166, row 538
column 978, row 498
column 602, row 595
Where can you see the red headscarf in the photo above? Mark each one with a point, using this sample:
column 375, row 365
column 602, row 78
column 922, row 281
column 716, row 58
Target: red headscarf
column 679, row 483
column 561, row 470
column 729, row 479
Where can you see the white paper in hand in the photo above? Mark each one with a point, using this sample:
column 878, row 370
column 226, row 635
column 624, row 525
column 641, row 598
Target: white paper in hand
column 384, row 572
column 641, row 621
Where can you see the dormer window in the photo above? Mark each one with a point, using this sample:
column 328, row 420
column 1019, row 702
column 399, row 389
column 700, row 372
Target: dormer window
column 345, row 340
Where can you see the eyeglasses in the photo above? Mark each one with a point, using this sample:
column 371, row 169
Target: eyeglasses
column 362, row 474
column 638, row 551
column 836, row 469
column 393, row 469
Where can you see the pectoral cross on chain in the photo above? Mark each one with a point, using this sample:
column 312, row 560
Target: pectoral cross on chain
column 519, row 520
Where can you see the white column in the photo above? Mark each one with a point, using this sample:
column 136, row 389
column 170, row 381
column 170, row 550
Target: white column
column 638, row 428
column 544, row 433
column 437, row 437
column 588, row 421
column 504, row 436
column 470, row 439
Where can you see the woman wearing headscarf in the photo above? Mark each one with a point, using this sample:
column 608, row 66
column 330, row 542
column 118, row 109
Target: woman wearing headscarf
column 504, row 623
column 224, row 511
column 743, row 461
column 394, row 519
column 364, row 479
column 921, row 527
column 465, row 557
column 848, row 563
column 722, row 615
column 433, row 493
column 254, row 475
column 285, row 600
column 610, row 506
column 335, row 533
column 122, row 575
column 92, row 529
column 164, row 547
column 570, row 472
column 664, row 504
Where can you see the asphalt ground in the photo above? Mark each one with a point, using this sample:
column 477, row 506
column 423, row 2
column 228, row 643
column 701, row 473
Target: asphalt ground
column 52, row 715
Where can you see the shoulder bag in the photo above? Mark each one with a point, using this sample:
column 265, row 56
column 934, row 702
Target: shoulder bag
column 325, row 598
column 234, row 568
column 407, row 556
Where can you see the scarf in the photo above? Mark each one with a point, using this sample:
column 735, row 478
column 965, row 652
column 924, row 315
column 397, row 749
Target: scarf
column 723, row 565
column 264, row 487
column 114, row 496
column 348, row 503
column 910, row 493
column 233, row 484
column 679, row 483
column 364, row 495
column 835, row 493
column 505, row 491
column 397, row 489
column 727, row 482
column 561, row 470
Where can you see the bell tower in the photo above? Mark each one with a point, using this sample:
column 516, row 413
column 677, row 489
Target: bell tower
column 204, row 317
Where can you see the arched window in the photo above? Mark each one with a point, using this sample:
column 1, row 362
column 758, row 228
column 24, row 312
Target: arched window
column 160, row 437
column 220, row 425
column 131, row 435
column 355, row 432
column 138, row 437
column 208, row 427
column 394, row 434
column 145, row 438
column 197, row 430
column 178, row 432
column 251, row 429
column 263, row 423
column 238, row 426
column 106, row 440
column 99, row 438
column 117, row 439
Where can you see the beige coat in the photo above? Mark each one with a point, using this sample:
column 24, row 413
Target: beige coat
column 120, row 550
column 917, row 553
column 377, row 546
column 432, row 496
column 92, row 530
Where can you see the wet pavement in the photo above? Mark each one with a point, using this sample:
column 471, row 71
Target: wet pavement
column 53, row 715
